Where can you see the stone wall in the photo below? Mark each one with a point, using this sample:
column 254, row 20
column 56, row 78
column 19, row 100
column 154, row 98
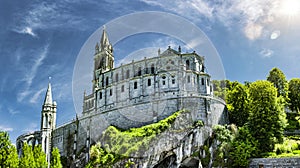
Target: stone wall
column 274, row 162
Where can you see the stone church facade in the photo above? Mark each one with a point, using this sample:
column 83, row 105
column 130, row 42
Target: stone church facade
column 131, row 95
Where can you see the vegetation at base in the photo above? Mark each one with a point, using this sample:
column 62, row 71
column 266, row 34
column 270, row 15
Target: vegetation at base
column 262, row 111
column 289, row 148
column 8, row 152
column 121, row 144
column 32, row 157
column 55, row 159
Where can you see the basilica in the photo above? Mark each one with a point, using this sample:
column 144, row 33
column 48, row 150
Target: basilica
column 132, row 95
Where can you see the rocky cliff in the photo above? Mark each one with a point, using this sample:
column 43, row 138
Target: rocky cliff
column 176, row 141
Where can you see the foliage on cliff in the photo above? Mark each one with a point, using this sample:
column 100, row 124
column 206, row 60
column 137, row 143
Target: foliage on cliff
column 121, row 144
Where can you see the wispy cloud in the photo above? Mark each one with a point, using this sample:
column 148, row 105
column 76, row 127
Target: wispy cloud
column 31, row 73
column 31, row 127
column 37, row 95
column 266, row 53
column 26, row 30
column 37, row 63
column 251, row 16
column 48, row 15
column 13, row 111
column 6, row 128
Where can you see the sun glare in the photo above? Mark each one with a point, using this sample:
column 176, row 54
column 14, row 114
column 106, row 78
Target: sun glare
column 290, row 7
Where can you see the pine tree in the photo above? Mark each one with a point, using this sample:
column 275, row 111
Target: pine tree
column 39, row 157
column 27, row 158
column 55, row 159
column 8, row 152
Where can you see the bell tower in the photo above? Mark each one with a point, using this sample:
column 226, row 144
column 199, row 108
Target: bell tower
column 103, row 58
column 48, row 122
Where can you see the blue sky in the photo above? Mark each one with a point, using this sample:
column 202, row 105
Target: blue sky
column 39, row 39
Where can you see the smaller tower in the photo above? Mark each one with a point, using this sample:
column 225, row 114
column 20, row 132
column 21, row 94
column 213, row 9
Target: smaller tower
column 48, row 122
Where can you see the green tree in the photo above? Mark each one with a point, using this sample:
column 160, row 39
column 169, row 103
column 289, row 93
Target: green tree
column 39, row 157
column 267, row 118
column 55, row 159
column 243, row 147
column 294, row 94
column 237, row 104
column 8, row 152
column 27, row 158
column 277, row 77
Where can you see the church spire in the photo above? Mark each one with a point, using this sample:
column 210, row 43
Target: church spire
column 48, row 97
column 104, row 42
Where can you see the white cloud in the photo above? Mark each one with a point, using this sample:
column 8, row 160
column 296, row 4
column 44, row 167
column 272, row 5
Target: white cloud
column 26, row 30
column 37, row 95
column 253, row 31
column 37, row 63
column 266, row 53
column 47, row 15
column 6, row 128
column 251, row 16
column 31, row 127
column 31, row 73
column 13, row 111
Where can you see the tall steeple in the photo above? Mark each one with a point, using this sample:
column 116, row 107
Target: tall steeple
column 48, row 97
column 48, row 122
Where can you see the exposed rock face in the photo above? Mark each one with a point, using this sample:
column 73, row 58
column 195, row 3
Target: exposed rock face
column 179, row 146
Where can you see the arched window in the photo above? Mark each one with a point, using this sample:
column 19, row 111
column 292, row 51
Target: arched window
column 202, row 81
column 152, row 69
column 107, row 82
column 163, row 80
column 149, row 82
column 117, row 77
column 188, row 79
column 127, row 73
column 173, row 79
column 187, row 64
column 110, row 92
column 139, row 71
column 100, row 95
column 46, row 121
column 122, row 88
column 135, row 85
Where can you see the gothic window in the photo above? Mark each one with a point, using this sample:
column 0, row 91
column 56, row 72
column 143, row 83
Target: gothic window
column 135, row 85
column 187, row 64
column 173, row 79
column 107, row 81
column 110, row 92
column 202, row 81
column 117, row 77
column 139, row 71
column 100, row 95
column 127, row 74
column 207, row 82
column 46, row 121
column 149, row 82
column 122, row 88
column 163, row 80
column 152, row 69
column 188, row 79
